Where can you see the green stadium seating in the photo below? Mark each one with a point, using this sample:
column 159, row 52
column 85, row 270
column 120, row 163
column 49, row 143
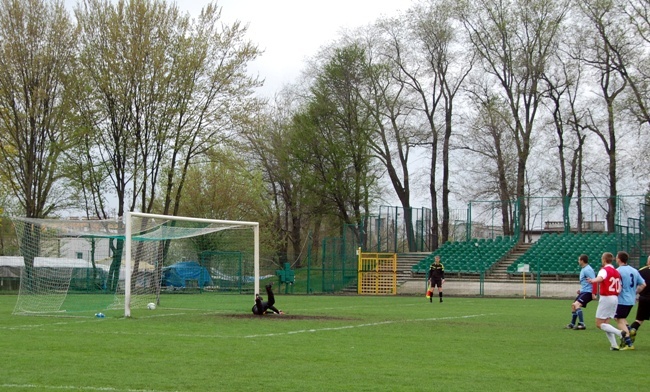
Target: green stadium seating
column 472, row 257
column 557, row 253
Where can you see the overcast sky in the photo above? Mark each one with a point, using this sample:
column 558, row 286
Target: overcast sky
column 291, row 31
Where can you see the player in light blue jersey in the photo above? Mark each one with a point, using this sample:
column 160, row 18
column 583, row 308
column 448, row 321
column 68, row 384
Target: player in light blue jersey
column 585, row 294
column 631, row 284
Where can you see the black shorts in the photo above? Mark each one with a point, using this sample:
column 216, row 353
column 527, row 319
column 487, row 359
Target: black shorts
column 643, row 310
column 622, row 311
column 436, row 282
column 584, row 299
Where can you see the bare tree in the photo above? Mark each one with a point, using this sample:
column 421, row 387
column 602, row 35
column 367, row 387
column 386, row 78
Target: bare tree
column 634, row 60
column 386, row 100
column 437, row 32
column 488, row 137
column 564, row 85
column 514, row 40
column 603, row 41
column 423, row 68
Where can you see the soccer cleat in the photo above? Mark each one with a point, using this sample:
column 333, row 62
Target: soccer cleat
column 622, row 344
column 623, row 338
column 632, row 335
column 613, row 349
column 626, row 337
column 626, row 342
column 580, row 327
column 625, row 348
column 569, row 326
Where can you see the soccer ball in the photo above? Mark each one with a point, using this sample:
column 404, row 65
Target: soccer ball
column 151, row 306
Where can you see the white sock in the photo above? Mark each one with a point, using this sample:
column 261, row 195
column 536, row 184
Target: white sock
column 610, row 329
column 612, row 339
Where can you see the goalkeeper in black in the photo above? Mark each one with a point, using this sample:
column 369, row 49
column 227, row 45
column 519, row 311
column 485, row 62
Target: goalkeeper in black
column 262, row 307
column 436, row 277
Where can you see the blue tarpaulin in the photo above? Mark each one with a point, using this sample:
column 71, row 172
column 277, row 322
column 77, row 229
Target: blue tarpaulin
column 179, row 274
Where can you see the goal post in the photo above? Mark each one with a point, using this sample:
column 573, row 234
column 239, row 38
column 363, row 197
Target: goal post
column 82, row 265
column 128, row 244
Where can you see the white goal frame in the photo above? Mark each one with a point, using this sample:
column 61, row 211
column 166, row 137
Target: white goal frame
column 128, row 239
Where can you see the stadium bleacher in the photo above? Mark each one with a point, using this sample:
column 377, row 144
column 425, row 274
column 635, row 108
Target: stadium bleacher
column 474, row 256
column 552, row 254
column 557, row 253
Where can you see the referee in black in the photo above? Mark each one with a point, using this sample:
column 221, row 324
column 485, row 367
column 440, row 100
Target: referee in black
column 436, row 277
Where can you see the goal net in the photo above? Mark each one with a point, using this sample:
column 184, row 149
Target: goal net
column 93, row 265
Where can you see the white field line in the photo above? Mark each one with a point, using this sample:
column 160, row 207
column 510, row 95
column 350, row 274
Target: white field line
column 34, row 326
column 203, row 312
column 286, row 333
column 183, row 311
column 41, row 387
column 362, row 325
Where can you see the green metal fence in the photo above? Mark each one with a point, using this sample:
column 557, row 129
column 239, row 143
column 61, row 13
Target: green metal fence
column 634, row 238
column 484, row 219
column 398, row 230
column 338, row 265
column 228, row 271
column 490, row 218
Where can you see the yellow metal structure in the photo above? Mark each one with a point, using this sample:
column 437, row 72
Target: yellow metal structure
column 377, row 273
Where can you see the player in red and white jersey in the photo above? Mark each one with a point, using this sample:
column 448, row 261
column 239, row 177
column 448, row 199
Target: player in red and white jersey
column 611, row 280
column 610, row 286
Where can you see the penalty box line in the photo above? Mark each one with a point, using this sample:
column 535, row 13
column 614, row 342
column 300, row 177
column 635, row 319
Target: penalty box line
column 41, row 387
column 365, row 325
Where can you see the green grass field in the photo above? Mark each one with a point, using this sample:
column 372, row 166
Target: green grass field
column 211, row 342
